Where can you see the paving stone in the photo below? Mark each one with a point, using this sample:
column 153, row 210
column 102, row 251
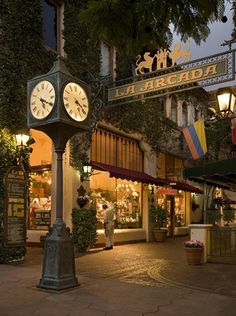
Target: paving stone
column 143, row 279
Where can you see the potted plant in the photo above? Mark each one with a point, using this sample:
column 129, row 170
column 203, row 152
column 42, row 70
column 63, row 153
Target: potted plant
column 158, row 216
column 194, row 251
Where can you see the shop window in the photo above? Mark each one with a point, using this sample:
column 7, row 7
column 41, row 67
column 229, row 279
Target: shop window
column 124, row 195
column 52, row 24
column 40, row 198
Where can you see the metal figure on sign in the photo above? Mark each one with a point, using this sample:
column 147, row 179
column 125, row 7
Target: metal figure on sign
column 162, row 59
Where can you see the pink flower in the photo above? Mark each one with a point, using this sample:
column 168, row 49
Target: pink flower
column 193, row 243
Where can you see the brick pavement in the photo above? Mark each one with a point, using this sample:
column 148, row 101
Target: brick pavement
column 139, row 279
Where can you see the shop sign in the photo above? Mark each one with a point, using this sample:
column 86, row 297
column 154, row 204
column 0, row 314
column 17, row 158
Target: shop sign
column 198, row 73
column 15, row 207
column 167, row 191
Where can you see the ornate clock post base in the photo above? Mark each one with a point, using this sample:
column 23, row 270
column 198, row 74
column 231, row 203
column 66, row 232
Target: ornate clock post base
column 59, row 263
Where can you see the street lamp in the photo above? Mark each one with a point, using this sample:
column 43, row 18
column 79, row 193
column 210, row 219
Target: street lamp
column 21, row 140
column 226, row 103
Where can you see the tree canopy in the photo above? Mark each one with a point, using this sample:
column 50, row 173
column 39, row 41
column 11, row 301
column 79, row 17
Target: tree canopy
column 134, row 25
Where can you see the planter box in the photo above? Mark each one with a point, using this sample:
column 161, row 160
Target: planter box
column 194, row 255
column 160, row 234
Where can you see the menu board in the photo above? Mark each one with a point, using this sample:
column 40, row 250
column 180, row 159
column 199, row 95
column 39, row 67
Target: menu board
column 15, row 210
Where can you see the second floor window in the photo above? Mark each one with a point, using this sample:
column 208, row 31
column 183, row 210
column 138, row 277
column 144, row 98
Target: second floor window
column 197, row 113
column 173, row 113
column 184, row 114
column 108, row 55
column 52, row 24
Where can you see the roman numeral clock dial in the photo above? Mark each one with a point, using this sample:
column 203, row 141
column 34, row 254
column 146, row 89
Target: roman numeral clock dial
column 75, row 101
column 42, row 99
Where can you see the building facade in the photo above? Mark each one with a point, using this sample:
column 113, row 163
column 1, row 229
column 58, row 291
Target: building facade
column 126, row 171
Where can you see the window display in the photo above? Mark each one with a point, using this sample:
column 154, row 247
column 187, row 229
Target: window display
column 40, row 201
column 124, row 195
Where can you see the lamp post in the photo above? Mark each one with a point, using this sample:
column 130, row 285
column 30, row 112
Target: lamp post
column 21, row 140
column 21, row 143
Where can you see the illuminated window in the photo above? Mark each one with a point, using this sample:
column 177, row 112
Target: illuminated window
column 123, row 195
column 40, row 198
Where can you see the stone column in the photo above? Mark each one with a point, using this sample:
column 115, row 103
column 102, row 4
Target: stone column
column 200, row 232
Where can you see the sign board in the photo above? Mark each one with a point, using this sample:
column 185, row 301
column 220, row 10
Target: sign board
column 195, row 74
column 15, row 207
column 167, row 191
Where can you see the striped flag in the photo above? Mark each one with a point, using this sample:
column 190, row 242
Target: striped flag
column 196, row 138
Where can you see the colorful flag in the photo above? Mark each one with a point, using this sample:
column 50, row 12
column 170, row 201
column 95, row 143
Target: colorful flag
column 196, row 138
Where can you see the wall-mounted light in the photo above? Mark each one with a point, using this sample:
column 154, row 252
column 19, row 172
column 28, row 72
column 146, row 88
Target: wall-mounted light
column 87, row 169
column 87, row 172
column 226, row 102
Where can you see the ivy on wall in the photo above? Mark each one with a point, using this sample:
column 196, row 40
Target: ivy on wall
column 22, row 57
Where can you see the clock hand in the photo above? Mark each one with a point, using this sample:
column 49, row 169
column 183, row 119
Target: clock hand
column 81, row 107
column 44, row 101
column 43, row 104
column 77, row 103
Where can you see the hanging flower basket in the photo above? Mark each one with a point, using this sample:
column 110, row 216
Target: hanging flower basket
column 194, row 251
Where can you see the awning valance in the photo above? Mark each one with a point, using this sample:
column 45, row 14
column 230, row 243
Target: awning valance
column 185, row 187
column 127, row 174
column 220, row 173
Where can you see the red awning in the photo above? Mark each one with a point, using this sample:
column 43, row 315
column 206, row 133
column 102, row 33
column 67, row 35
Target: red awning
column 127, row 174
column 185, row 187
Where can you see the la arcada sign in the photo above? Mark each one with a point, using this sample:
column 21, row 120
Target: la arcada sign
column 164, row 80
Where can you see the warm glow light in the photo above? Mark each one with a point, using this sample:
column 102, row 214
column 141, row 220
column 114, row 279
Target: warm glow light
column 22, row 139
column 223, row 100
column 87, row 169
column 226, row 102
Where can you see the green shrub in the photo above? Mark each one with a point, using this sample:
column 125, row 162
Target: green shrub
column 158, row 216
column 84, row 232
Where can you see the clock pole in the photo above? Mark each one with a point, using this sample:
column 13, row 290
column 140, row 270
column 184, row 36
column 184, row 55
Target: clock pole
column 59, row 262
column 60, row 125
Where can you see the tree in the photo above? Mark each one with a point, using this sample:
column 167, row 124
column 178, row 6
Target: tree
column 134, row 25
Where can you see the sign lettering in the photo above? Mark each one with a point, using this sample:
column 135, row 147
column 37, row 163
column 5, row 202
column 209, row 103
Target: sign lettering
column 190, row 75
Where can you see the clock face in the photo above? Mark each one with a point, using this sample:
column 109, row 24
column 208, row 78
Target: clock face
column 75, row 101
column 42, row 99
